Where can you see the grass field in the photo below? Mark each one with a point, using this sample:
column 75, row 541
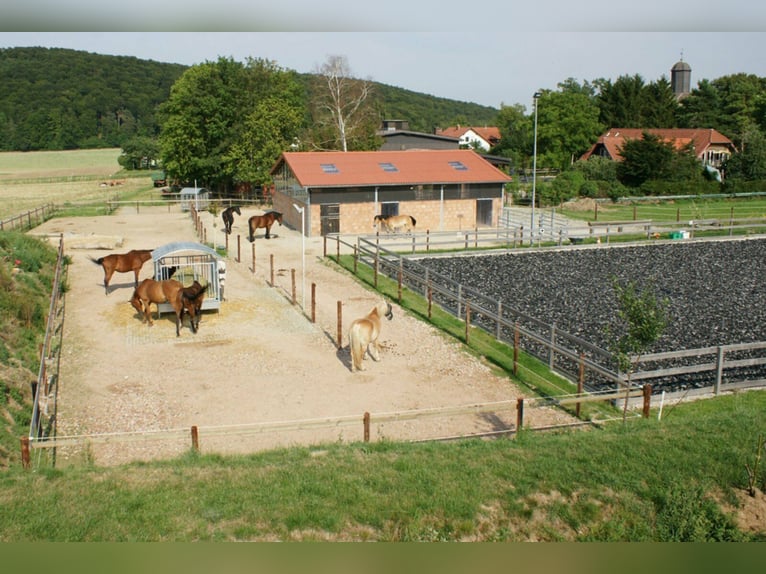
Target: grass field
column 31, row 179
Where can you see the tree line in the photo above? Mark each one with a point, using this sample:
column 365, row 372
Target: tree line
column 573, row 116
column 223, row 123
column 56, row 98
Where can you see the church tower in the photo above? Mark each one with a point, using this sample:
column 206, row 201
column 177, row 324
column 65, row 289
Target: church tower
column 681, row 78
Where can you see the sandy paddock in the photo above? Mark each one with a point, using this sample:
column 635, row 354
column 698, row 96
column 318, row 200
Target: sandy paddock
column 259, row 360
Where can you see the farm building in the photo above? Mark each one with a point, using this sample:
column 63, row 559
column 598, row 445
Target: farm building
column 186, row 261
column 197, row 197
column 342, row 192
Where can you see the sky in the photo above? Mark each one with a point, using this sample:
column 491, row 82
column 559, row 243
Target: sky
column 503, row 59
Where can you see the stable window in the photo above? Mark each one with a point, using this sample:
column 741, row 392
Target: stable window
column 388, row 166
column 329, row 168
column 458, row 165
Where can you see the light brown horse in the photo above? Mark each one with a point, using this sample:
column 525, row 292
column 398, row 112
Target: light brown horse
column 363, row 335
column 266, row 220
column 123, row 263
column 182, row 299
column 394, row 223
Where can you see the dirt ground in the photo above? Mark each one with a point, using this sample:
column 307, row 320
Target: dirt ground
column 258, row 360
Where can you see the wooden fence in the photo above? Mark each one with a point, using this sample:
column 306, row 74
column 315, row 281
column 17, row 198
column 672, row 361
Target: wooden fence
column 196, row 435
column 729, row 367
column 29, row 219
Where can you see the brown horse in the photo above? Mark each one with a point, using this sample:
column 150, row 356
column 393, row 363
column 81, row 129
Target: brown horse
column 266, row 220
column 228, row 217
column 363, row 335
column 394, row 223
column 169, row 291
column 123, row 263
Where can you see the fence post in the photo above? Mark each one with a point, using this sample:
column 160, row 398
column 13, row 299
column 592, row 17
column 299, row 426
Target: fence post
column 313, row 302
column 340, row 325
column 356, row 258
column 271, row 259
column 647, row 399
column 499, row 319
column 430, row 300
column 239, row 249
column 718, row 370
column 519, row 414
column 516, row 336
column 366, row 420
column 467, row 322
column 292, row 278
column 25, row 459
column 400, row 276
column 459, row 299
column 375, row 274
column 195, row 438
column 553, row 344
column 252, row 249
column 580, row 382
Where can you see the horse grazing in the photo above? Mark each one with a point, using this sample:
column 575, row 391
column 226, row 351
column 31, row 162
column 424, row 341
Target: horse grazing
column 363, row 335
column 122, row 263
column 169, row 291
column 394, row 223
column 266, row 220
column 165, row 273
column 228, row 217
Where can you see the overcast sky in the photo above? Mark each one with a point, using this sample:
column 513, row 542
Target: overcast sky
column 500, row 55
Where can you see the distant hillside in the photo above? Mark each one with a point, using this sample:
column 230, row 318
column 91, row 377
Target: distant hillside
column 55, row 98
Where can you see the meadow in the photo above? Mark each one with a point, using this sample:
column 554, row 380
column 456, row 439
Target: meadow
column 65, row 178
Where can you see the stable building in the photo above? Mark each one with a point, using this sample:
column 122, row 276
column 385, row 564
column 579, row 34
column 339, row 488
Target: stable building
column 342, row 192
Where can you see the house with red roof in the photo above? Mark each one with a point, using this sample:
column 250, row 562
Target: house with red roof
column 471, row 136
column 342, row 192
column 711, row 147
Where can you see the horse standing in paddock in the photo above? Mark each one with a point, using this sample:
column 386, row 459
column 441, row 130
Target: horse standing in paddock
column 228, row 217
column 266, row 220
column 122, row 263
column 394, row 223
column 166, row 273
column 182, row 299
column 363, row 335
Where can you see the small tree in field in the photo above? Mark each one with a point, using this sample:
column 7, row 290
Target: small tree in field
column 643, row 318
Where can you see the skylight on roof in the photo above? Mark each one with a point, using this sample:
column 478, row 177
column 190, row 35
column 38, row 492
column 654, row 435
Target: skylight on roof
column 388, row 166
column 458, row 165
column 329, row 168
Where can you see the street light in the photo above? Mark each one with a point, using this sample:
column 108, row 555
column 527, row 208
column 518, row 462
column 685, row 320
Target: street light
column 303, row 255
column 535, row 97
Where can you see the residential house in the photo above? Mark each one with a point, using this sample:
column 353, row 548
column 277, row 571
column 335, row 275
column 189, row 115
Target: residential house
column 711, row 147
column 342, row 192
column 470, row 136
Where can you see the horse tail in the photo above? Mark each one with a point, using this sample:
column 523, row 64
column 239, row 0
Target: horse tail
column 99, row 261
column 355, row 347
column 413, row 221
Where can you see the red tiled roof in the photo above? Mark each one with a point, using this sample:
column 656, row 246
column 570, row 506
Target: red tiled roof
column 489, row 134
column 412, row 167
column 614, row 139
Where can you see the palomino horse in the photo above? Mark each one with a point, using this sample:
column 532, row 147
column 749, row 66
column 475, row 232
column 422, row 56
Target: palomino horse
column 228, row 217
column 266, row 220
column 395, row 223
column 363, row 335
column 169, row 291
column 122, row 263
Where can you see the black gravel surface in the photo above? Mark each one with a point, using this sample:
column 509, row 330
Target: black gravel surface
column 714, row 289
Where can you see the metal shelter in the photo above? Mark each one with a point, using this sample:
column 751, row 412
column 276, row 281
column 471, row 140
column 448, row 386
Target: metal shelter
column 192, row 262
column 197, row 197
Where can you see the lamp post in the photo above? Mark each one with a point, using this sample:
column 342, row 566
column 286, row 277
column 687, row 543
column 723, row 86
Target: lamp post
column 303, row 255
column 535, row 97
